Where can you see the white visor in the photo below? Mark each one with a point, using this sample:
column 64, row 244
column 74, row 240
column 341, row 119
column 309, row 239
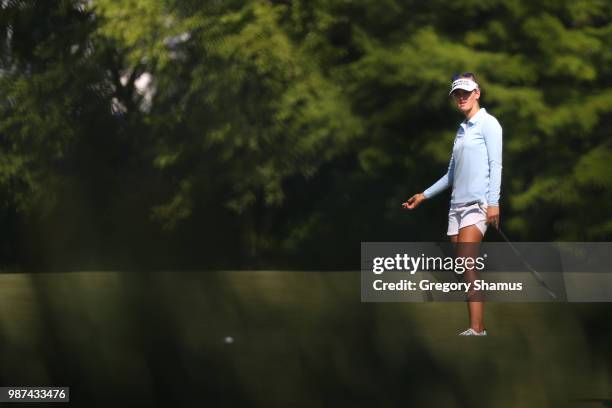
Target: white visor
column 463, row 83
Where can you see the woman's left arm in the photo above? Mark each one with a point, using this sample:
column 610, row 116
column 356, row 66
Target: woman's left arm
column 492, row 133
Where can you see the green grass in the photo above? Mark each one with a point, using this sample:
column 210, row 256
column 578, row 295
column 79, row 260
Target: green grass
column 300, row 339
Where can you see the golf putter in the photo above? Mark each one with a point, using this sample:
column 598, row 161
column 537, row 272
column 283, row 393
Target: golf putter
column 535, row 273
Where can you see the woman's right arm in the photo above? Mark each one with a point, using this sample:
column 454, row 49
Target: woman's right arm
column 442, row 184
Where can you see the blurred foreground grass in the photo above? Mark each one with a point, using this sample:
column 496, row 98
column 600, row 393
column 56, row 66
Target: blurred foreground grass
column 288, row 339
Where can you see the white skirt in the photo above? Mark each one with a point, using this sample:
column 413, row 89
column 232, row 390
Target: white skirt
column 463, row 215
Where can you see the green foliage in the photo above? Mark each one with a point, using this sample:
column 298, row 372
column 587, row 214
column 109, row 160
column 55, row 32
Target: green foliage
column 292, row 125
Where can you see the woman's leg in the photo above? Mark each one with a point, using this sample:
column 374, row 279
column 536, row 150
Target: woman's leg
column 471, row 234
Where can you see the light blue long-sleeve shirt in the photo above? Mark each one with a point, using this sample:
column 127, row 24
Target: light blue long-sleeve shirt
column 475, row 166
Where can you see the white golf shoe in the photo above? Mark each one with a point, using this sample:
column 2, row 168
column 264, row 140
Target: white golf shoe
column 472, row 332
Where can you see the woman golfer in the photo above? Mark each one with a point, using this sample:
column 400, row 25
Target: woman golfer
column 474, row 173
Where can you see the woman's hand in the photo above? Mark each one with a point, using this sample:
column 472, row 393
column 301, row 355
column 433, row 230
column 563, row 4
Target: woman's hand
column 493, row 216
column 414, row 201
